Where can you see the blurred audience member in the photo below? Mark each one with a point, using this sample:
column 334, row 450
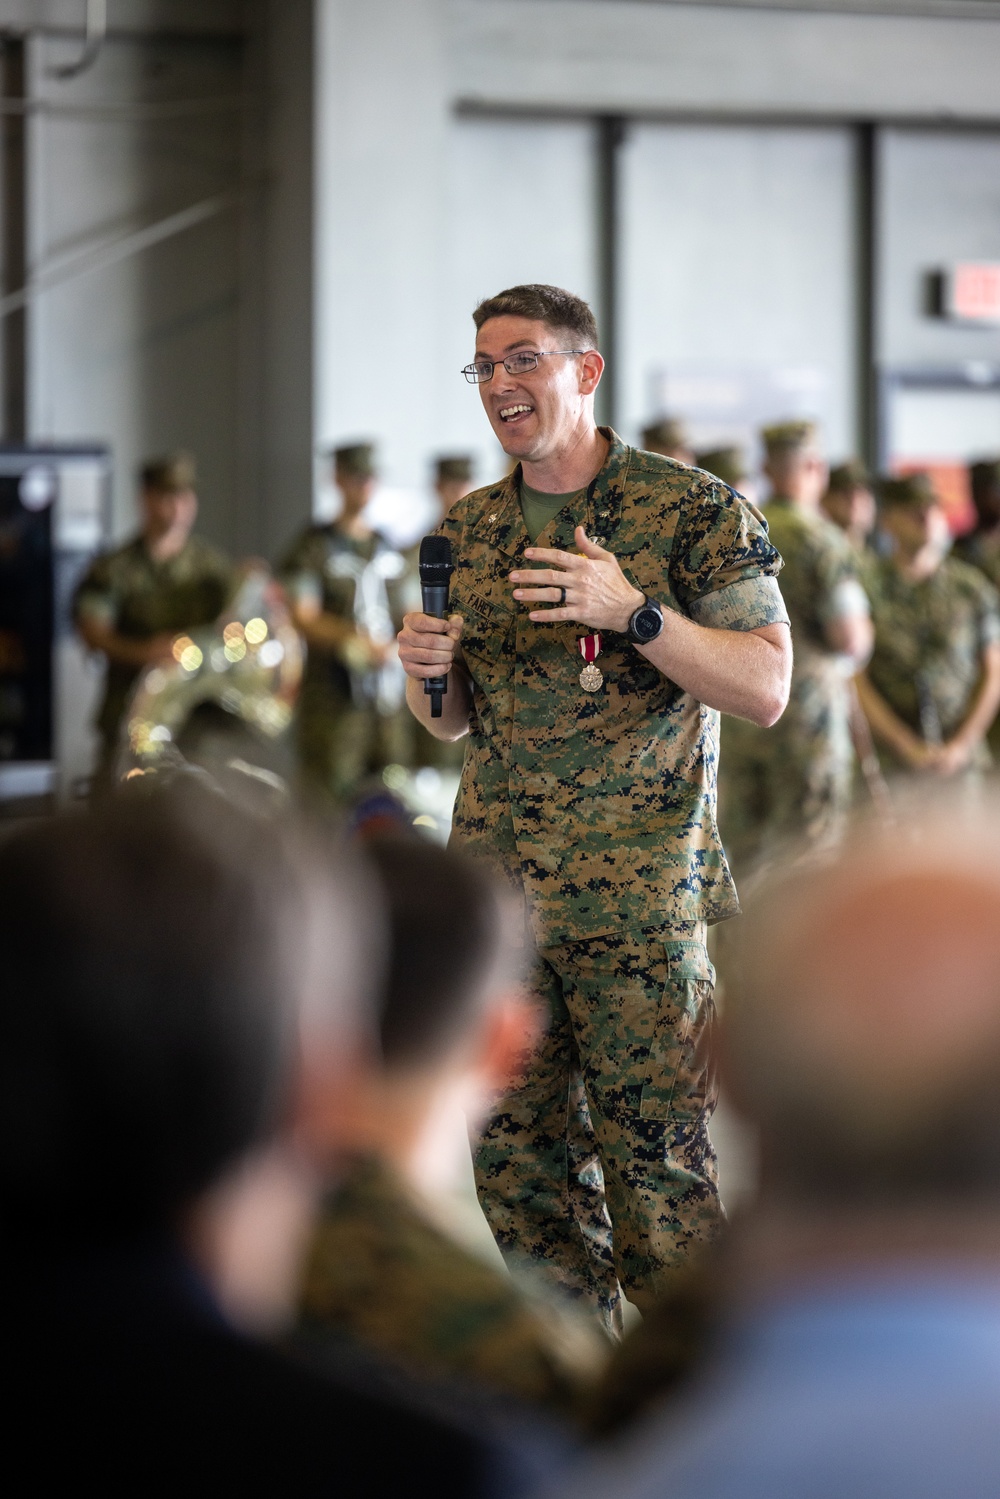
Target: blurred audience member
column 932, row 687
column 385, row 1270
column 349, row 589
column 792, row 782
column 850, row 503
column 858, row 1343
column 981, row 547
column 156, row 961
column 453, row 479
column 668, row 436
column 726, row 464
column 132, row 602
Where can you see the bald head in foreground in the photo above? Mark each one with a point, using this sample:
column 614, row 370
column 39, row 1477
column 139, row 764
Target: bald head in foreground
column 858, row 1347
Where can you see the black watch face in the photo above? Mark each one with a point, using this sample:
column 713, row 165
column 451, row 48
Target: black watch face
column 646, row 624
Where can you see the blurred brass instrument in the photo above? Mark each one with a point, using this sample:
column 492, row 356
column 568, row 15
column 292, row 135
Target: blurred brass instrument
column 225, row 700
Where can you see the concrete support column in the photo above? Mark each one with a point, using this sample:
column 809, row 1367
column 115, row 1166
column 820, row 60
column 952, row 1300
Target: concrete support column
column 381, row 214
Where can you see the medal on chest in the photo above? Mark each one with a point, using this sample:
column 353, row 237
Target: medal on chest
column 591, row 678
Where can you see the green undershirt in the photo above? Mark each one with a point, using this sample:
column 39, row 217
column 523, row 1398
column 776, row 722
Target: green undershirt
column 538, row 508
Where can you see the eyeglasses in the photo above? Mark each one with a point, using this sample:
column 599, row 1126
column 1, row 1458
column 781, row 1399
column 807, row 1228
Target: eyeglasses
column 515, row 364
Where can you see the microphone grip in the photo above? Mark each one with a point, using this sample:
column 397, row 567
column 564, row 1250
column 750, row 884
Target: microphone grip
column 434, row 597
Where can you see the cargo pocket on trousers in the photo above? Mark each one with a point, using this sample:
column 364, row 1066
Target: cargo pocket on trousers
column 681, row 1082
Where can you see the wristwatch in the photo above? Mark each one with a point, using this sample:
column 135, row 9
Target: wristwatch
column 646, row 623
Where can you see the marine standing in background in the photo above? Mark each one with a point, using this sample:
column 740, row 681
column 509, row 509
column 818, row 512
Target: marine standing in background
column 793, row 782
column 132, row 602
column 726, row 464
column 850, row 503
column 348, row 589
column 981, row 547
column 932, row 687
column 587, row 674
column 668, row 437
column 452, row 479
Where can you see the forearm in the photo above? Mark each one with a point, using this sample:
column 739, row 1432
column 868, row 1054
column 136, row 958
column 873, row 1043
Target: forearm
column 323, row 632
column 985, row 703
column 123, row 650
column 742, row 672
column 456, row 705
column 886, row 725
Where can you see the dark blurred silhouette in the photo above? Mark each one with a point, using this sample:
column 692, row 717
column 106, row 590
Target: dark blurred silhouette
column 850, row 503
column 158, row 960
column 385, row 1271
column 858, row 1305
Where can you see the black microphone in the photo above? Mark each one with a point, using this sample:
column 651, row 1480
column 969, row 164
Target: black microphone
column 435, row 572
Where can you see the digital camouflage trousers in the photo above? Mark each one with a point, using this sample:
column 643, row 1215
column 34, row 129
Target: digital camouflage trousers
column 597, row 1161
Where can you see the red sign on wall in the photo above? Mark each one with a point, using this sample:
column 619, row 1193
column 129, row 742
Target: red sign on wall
column 973, row 291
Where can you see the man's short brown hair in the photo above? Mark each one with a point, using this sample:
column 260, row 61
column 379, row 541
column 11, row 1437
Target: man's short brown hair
column 542, row 304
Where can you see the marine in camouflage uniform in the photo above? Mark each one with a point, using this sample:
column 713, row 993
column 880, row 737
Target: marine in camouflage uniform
column 382, row 1274
column 600, row 809
column 932, row 686
column 131, row 602
column 981, row 547
column 793, row 783
column 349, row 589
column 669, row 437
column 850, row 503
column 726, row 464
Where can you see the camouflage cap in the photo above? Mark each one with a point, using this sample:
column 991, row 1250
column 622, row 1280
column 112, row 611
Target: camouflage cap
column 898, row 490
column 725, row 463
column 454, row 466
column 851, row 474
column 356, row 458
column 668, row 432
column 172, row 474
column 787, row 437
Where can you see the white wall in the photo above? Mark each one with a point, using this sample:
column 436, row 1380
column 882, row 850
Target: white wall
column 738, row 268
column 940, row 195
column 420, row 212
column 633, row 55
column 382, row 111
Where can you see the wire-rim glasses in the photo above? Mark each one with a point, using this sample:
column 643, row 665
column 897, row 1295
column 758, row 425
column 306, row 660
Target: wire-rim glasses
column 481, row 372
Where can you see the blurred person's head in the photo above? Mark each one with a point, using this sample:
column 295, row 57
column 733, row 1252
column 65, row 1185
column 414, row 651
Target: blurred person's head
column 862, row 1036
column 668, row 436
column 450, row 1021
column 168, row 500
column 155, row 955
column 849, row 500
column 726, row 464
column 913, row 518
column 984, row 484
column 354, row 476
column 538, row 412
column 453, row 479
column 793, row 462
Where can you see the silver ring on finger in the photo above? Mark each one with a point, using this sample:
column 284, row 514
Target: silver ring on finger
column 562, row 597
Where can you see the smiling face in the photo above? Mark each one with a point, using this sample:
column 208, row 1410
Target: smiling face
column 539, row 414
